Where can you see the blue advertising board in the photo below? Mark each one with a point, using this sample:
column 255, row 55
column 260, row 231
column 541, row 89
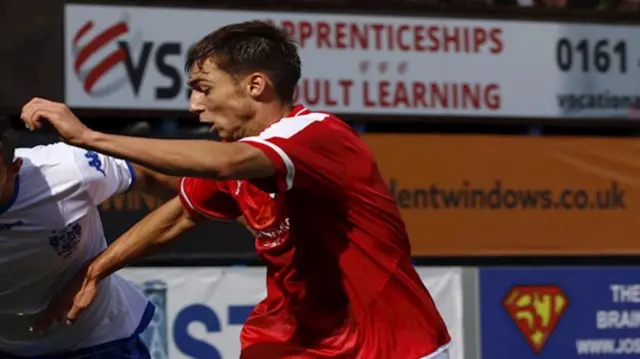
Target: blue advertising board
column 560, row 312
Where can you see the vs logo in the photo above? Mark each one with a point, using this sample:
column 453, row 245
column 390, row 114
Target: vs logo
column 107, row 59
column 536, row 311
column 65, row 241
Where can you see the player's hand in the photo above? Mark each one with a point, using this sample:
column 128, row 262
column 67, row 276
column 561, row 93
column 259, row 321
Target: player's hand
column 58, row 114
column 74, row 297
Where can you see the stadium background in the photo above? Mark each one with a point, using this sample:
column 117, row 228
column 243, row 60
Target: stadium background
column 520, row 197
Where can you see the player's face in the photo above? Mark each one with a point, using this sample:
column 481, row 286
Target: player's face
column 220, row 100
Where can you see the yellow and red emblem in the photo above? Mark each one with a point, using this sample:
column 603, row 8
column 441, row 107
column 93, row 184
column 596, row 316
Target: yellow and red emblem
column 536, row 311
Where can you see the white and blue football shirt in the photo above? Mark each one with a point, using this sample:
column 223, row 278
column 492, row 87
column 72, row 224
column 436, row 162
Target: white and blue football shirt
column 48, row 231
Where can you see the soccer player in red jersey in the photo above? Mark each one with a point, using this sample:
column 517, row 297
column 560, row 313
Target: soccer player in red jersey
column 340, row 282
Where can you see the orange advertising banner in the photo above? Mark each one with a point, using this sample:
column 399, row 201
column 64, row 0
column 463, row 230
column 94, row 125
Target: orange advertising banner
column 514, row 195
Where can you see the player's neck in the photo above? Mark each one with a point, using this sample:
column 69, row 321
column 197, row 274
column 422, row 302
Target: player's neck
column 265, row 116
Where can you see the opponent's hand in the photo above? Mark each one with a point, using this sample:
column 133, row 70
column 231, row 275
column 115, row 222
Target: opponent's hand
column 58, row 114
column 74, row 297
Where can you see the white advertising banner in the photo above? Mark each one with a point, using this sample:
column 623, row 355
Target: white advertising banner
column 133, row 57
column 201, row 310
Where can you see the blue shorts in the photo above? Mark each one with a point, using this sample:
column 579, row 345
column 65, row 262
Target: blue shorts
column 129, row 348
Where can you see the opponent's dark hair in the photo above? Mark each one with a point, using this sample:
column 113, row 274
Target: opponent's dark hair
column 8, row 141
column 242, row 48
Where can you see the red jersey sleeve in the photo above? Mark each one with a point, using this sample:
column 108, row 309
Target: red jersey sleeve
column 208, row 198
column 308, row 151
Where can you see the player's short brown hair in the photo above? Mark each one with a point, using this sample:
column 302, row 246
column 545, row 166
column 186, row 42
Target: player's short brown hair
column 8, row 141
column 242, row 48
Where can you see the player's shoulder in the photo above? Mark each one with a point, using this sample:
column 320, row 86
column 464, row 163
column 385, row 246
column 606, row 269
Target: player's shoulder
column 46, row 154
column 308, row 122
column 46, row 171
column 58, row 160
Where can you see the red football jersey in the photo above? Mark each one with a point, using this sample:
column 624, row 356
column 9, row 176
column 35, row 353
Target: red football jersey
column 340, row 282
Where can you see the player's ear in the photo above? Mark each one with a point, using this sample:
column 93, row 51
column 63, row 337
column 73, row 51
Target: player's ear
column 14, row 168
column 257, row 83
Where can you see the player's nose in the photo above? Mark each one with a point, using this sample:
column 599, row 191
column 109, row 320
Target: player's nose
column 196, row 103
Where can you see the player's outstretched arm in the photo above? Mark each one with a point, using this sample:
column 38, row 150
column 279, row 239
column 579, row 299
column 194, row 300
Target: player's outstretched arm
column 189, row 158
column 153, row 232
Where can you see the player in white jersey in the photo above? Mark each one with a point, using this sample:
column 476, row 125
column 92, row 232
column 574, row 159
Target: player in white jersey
column 50, row 228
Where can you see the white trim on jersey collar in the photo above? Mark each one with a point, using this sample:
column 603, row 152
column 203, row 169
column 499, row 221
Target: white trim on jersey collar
column 303, row 109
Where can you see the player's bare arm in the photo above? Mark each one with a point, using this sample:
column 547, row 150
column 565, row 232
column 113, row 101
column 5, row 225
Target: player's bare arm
column 157, row 229
column 171, row 157
column 185, row 157
column 153, row 232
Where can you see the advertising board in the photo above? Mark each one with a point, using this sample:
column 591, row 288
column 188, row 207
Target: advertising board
column 120, row 57
column 568, row 312
column 514, row 195
column 201, row 310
